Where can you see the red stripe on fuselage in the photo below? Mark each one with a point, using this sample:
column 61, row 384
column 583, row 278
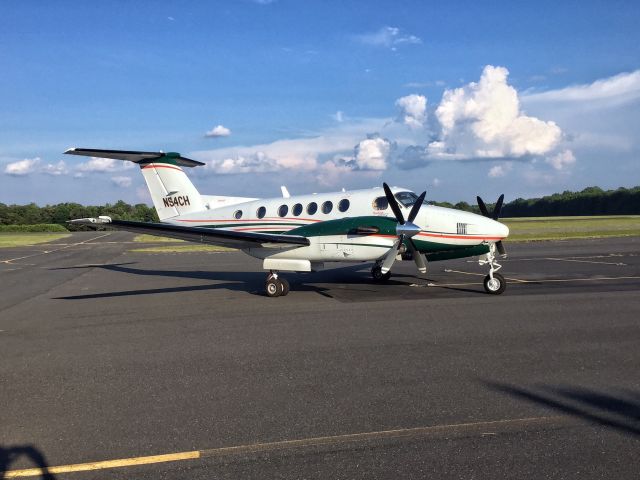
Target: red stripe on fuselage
column 262, row 220
column 459, row 237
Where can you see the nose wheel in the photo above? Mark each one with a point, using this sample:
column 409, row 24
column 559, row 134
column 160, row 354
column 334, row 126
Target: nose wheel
column 494, row 283
column 276, row 286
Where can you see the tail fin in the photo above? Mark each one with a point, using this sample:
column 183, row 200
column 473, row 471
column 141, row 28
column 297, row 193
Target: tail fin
column 171, row 190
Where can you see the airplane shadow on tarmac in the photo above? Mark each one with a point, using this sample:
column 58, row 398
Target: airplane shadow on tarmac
column 251, row 282
column 9, row 455
column 620, row 412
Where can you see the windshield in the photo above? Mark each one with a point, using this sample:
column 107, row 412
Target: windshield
column 408, row 198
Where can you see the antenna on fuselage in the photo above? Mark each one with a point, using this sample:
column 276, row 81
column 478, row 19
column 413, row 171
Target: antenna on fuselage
column 285, row 192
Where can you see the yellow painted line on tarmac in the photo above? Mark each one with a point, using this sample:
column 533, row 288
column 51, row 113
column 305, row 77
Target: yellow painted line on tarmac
column 119, row 463
column 480, row 428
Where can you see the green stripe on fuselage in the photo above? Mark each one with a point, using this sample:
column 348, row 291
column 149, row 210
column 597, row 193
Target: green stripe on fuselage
column 342, row 226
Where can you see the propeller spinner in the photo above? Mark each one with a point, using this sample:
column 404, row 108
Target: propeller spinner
column 494, row 215
column 405, row 230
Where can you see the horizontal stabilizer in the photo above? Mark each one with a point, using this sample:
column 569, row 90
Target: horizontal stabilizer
column 136, row 157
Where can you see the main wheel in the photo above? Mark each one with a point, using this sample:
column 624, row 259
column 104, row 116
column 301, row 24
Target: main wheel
column 378, row 276
column 495, row 285
column 273, row 287
column 285, row 286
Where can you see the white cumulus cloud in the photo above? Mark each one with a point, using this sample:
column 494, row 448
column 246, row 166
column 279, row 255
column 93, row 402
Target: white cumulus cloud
column 413, row 110
column 22, row 167
column 561, row 160
column 218, row 131
column 499, row 170
column 257, row 162
column 103, row 165
column 372, row 154
column 484, row 120
column 122, row 182
column 389, row 37
column 300, row 155
column 56, row 169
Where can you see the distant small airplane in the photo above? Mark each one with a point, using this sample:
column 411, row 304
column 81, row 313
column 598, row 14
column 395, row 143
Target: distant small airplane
column 301, row 232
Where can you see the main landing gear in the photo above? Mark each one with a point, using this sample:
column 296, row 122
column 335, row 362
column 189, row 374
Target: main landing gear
column 494, row 283
column 276, row 286
column 378, row 276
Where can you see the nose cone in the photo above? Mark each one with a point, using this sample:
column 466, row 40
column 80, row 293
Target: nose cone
column 494, row 230
column 501, row 229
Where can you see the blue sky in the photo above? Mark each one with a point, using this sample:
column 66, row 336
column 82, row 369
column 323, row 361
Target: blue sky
column 459, row 98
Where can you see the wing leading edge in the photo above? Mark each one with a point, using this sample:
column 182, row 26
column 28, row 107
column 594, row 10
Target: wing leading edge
column 209, row 236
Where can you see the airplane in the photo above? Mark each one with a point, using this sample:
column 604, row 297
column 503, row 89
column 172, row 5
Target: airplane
column 300, row 233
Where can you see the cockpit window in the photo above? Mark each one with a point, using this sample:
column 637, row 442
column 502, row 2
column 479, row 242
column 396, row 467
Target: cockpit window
column 407, row 199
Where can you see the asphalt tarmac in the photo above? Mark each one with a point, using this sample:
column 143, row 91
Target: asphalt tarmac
column 113, row 356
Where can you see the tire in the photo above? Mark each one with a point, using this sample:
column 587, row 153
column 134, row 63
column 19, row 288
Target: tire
column 285, row 286
column 273, row 287
column 378, row 276
column 495, row 286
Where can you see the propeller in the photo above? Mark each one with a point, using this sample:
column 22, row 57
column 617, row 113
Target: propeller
column 405, row 230
column 495, row 215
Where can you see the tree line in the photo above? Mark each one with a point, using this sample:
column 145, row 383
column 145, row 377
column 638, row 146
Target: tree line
column 60, row 213
column 590, row 201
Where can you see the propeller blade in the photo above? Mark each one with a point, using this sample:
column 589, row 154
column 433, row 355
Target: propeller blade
column 390, row 257
column 483, row 207
column 498, row 208
column 416, row 207
column 500, row 248
column 417, row 257
column 393, row 203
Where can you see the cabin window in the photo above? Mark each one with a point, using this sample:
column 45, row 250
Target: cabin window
column 327, row 207
column 261, row 212
column 283, row 210
column 380, row 203
column 297, row 209
column 238, row 214
column 312, row 208
column 343, row 205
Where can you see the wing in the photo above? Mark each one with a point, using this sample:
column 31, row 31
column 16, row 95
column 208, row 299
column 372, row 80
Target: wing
column 210, row 236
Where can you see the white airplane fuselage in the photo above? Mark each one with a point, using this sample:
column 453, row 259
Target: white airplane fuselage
column 438, row 225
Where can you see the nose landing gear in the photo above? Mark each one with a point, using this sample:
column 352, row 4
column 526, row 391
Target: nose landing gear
column 494, row 283
column 276, row 286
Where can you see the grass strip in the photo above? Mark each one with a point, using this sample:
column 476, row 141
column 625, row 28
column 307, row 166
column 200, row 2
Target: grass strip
column 144, row 238
column 565, row 228
column 25, row 239
column 38, row 227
